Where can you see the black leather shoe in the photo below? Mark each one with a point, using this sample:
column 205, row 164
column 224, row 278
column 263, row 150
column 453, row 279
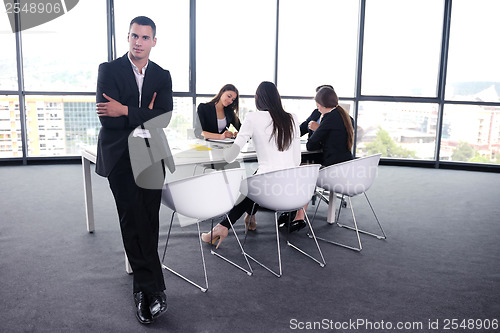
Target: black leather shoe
column 143, row 313
column 157, row 304
column 297, row 225
column 284, row 220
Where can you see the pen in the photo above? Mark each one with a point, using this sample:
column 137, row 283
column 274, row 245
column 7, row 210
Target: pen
column 227, row 129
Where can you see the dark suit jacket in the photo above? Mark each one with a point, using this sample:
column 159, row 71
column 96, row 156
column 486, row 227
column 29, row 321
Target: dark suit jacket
column 304, row 126
column 331, row 137
column 207, row 119
column 117, row 80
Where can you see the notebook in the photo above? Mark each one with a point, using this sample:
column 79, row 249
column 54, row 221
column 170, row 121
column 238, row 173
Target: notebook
column 226, row 140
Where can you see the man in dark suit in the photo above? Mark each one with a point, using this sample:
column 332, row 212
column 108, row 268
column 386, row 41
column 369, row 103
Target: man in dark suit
column 134, row 104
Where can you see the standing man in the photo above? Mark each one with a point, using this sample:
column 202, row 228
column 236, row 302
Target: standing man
column 134, row 101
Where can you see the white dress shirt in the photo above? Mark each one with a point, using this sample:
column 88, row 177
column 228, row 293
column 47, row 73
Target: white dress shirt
column 258, row 126
column 139, row 77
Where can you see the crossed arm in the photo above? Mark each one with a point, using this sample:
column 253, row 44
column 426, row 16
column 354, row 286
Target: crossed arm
column 113, row 108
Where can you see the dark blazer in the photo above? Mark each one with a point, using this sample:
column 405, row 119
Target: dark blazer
column 116, row 79
column 207, row 119
column 331, row 137
column 314, row 116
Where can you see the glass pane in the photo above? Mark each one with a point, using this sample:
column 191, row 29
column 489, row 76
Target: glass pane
column 235, row 43
column 473, row 71
column 8, row 65
column 317, row 45
column 10, row 128
column 471, row 133
column 172, row 33
column 60, row 125
column 181, row 122
column 64, row 54
column 402, row 47
column 397, row 130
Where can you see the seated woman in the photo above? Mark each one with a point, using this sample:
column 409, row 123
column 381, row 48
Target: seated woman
column 308, row 127
column 215, row 117
column 334, row 136
column 276, row 137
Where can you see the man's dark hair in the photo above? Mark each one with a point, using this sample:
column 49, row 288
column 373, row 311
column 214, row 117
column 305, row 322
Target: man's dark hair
column 144, row 20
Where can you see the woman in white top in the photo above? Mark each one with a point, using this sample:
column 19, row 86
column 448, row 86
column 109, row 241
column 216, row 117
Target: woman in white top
column 275, row 134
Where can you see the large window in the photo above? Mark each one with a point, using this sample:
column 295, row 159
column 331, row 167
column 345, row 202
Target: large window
column 397, row 130
column 428, row 70
column 474, row 53
column 402, row 47
column 64, row 54
column 317, row 45
column 172, row 33
column 235, row 43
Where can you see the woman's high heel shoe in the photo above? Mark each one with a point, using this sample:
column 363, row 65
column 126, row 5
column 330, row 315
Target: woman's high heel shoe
column 219, row 232
column 250, row 223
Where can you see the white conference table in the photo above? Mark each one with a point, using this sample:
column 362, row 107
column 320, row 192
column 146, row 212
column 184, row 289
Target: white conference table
column 194, row 153
column 190, row 155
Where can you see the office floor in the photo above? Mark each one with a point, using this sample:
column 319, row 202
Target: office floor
column 440, row 262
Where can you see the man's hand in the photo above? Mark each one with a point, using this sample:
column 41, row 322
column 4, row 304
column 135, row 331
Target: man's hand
column 313, row 126
column 152, row 101
column 112, row 108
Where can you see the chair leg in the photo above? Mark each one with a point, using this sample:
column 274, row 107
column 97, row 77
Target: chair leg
column 203, row 289
column 383, row 236
column 322, row 264
column 249, row 271
column 279, row 251
column 359, row 248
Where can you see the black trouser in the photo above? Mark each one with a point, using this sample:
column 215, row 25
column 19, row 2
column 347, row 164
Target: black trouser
column 235, row 213
column 139, row 214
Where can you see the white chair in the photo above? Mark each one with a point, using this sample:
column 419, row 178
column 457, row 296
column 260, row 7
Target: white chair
column 200, row 198
column 349, row 179
column 284, row 191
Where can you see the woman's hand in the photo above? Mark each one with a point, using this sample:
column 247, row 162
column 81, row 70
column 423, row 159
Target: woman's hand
column 229, row 134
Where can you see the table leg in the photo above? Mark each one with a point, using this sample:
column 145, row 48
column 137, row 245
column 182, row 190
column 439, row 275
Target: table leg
column 128, row 268
column 330, row 218
column 87, row 187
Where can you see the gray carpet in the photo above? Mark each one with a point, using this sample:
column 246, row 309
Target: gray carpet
column 440, row 261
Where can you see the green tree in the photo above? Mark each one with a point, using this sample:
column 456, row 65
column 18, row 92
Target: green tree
column 480, row 159
column 464, row 152
column 384, row 144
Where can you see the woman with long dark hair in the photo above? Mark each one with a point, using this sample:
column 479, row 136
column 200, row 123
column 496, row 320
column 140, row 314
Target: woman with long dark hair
column 334, row 136
column 215, row 117
column 275, row 134
column 335, row 133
